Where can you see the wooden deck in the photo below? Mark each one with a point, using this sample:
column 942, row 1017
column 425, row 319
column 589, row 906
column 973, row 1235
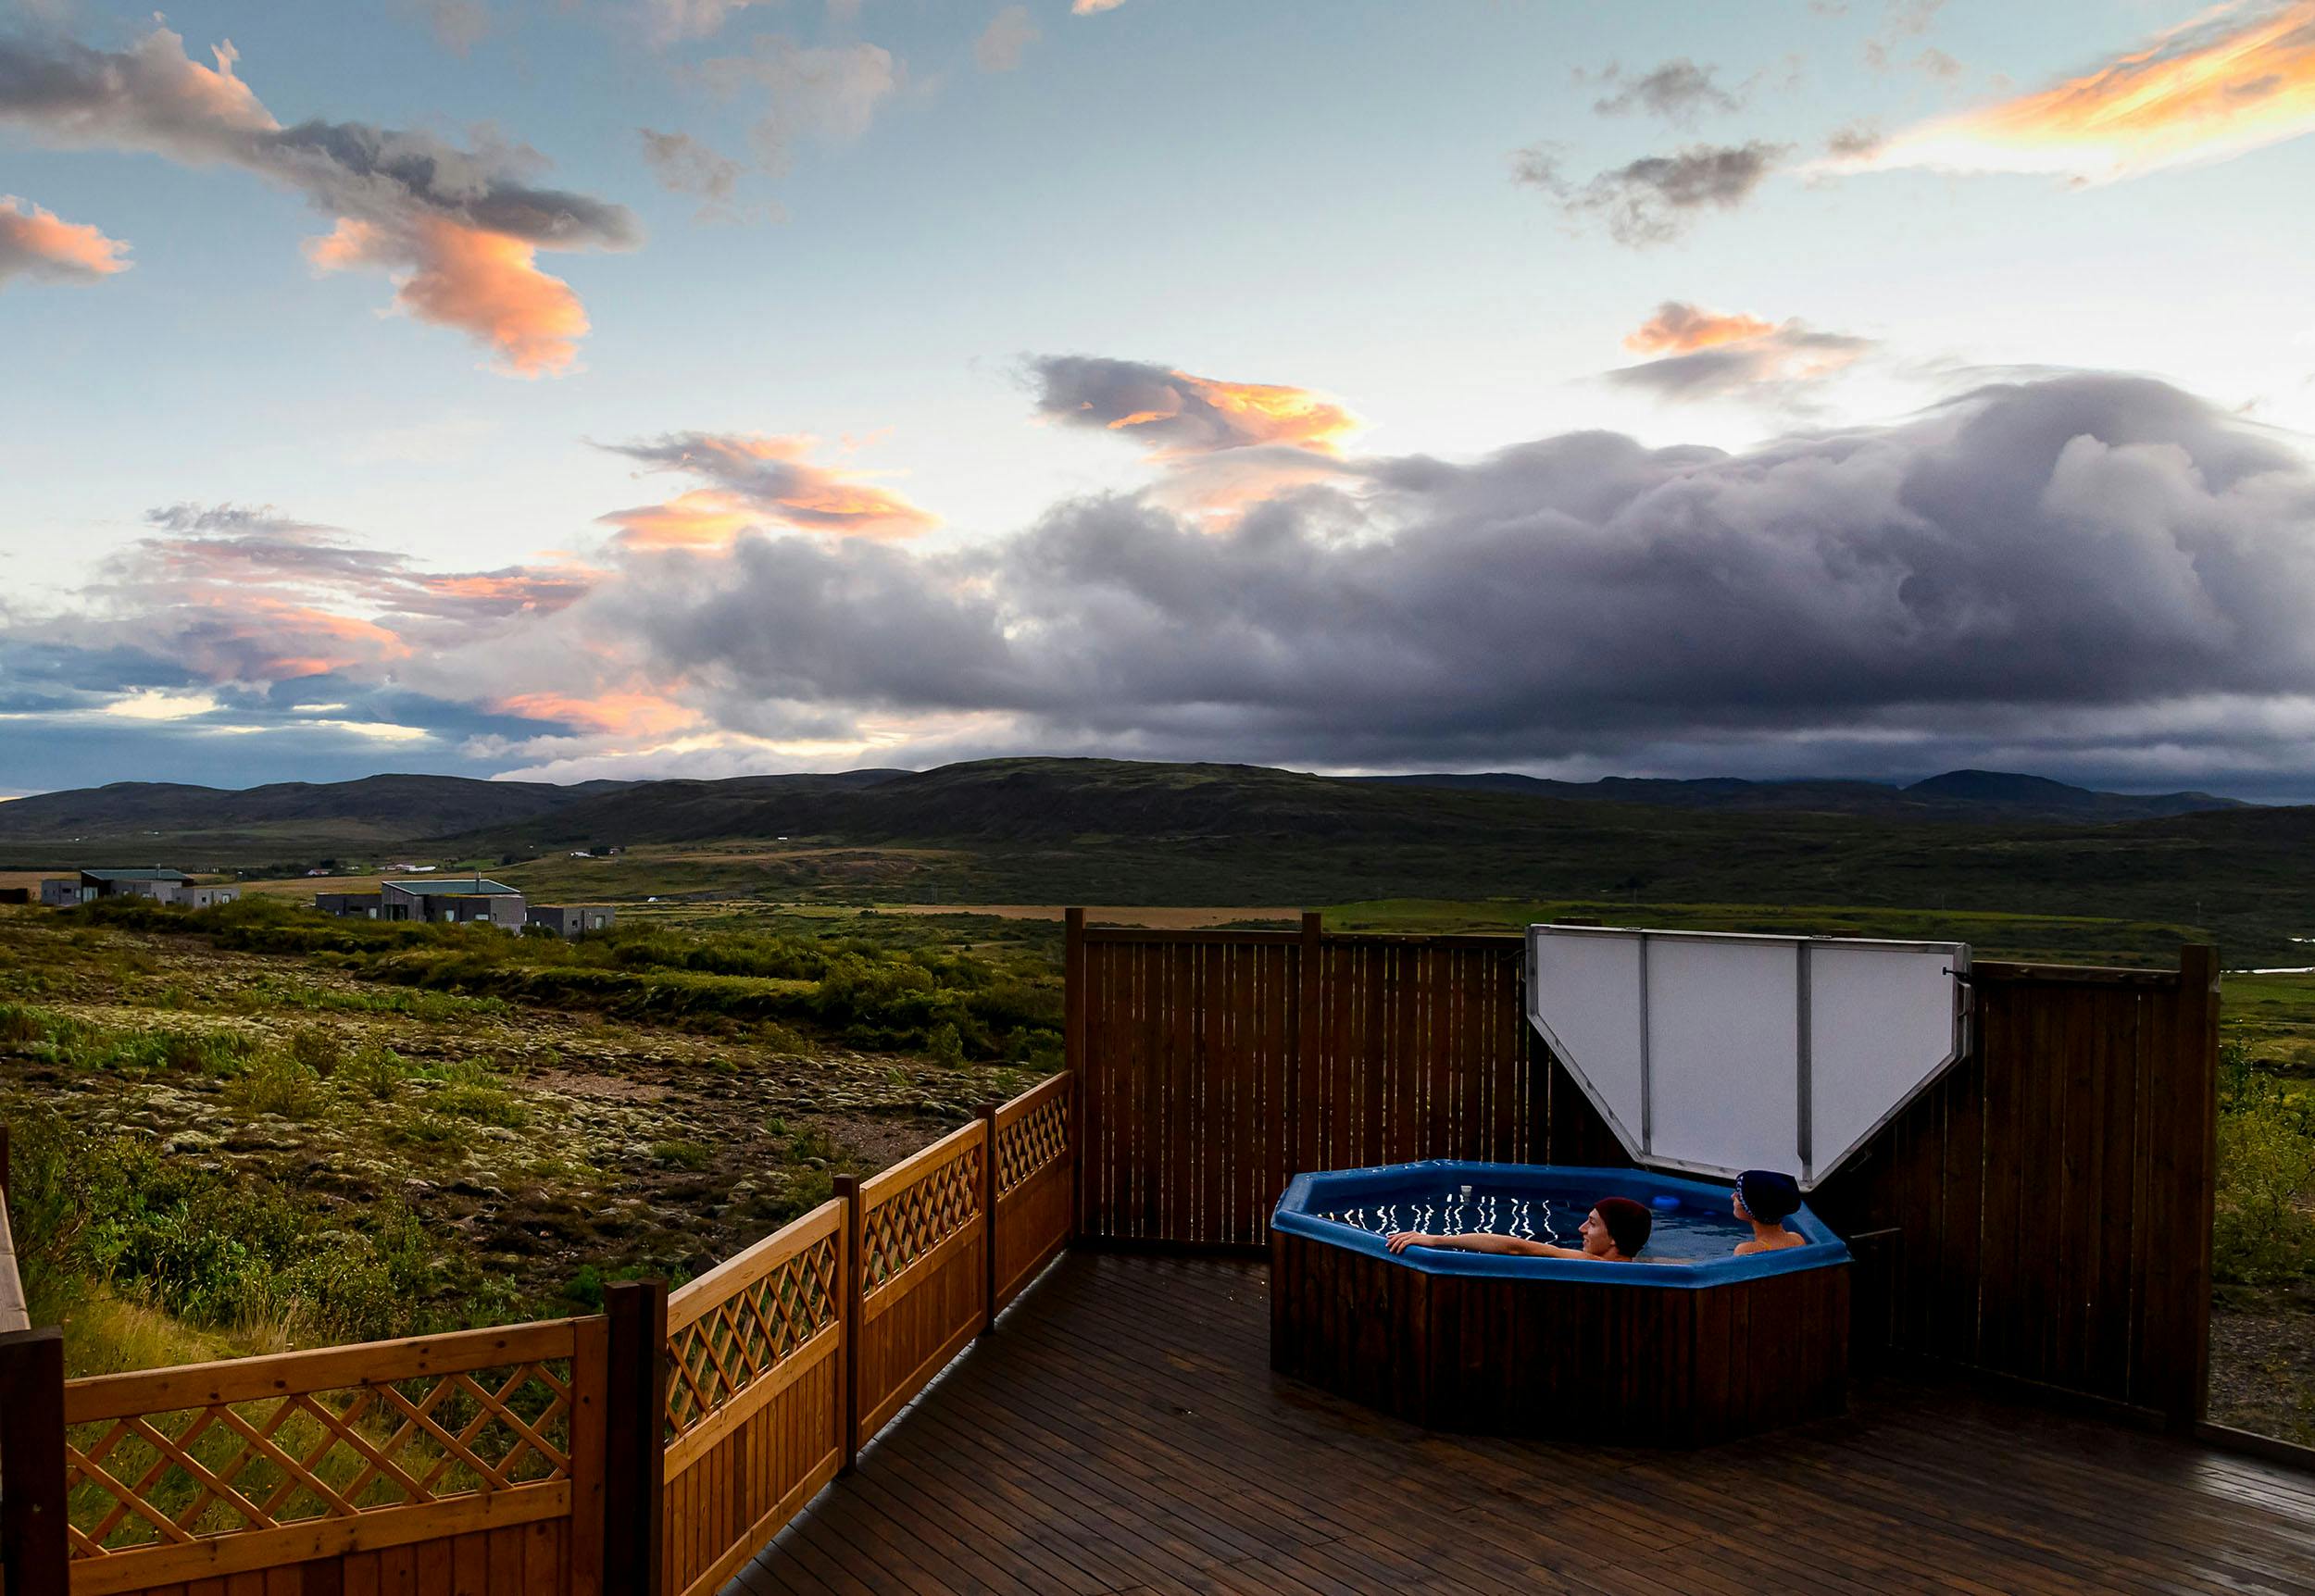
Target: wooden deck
column 1121, row 1431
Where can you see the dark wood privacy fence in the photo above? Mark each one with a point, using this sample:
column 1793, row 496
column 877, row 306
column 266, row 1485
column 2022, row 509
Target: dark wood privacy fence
column 2043, row 1211
column 1217, row 1065
column 648, row 1451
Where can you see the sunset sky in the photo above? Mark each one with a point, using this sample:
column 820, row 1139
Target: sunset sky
column 567, row 389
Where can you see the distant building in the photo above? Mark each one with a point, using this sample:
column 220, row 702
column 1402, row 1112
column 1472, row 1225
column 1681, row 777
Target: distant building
column 362, row 905
column 569, row 920
column 163, row 886
column 471, row 900
column 154, row 882
column 453, row 900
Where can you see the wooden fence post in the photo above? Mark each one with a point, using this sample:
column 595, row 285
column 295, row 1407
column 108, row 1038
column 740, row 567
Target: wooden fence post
column 988, row 1217
column 848, row 1404
column 2197, row 1067
column 1073, row 1057
column 32, row 1549
column 635, row 1494
column 1309, row 1113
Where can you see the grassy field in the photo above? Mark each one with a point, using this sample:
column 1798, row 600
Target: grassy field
column 226, row 1149
column 2064, row 938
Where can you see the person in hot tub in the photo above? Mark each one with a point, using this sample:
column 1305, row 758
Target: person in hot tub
column 1613, row 1232
column 1764, row 1199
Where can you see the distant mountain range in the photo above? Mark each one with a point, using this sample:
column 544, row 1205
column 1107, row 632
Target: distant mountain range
column 1018, row 798
column 2160, row 868
column 1979, row 796
column 1018, row 801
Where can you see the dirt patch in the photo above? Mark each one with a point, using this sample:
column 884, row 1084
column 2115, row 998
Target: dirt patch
column 607, row 1088
column 2262, row 1365
column 303, row 888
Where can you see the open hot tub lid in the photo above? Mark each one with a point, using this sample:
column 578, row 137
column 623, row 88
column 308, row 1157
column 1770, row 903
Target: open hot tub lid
column 1714, row 1053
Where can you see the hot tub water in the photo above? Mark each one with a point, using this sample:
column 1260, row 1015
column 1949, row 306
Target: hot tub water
column 1685, row 1233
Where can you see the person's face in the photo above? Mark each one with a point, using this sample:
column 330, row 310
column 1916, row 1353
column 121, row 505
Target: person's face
column 1598, row 1242
column 1736, row 1206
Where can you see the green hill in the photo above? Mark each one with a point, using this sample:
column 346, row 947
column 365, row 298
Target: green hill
column 1979, row 796
column 1060, row 831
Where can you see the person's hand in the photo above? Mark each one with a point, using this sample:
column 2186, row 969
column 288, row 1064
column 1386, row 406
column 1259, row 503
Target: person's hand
column 1403, row 1239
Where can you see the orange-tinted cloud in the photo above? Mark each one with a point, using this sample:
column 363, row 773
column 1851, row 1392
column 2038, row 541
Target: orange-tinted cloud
column 457, row 229
column 39, row 244
column 1711, row 354
column 521, row 588
column 2235, row 80
column 758, row 479
column 1093, row 7
column 1678, row 328
column 486, row 284
column 258, row 638
column 624, row 714
column 1181, row 416
column 703, row 517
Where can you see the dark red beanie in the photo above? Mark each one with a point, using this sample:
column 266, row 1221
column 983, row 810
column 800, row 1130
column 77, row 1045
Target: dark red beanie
column 1628, row 1222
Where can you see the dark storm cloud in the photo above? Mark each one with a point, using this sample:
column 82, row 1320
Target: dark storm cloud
column 2092, row 576
column 2089, row 547
column 1653, row 200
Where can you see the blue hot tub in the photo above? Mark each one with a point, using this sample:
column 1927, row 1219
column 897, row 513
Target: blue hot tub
column 1686, row 1345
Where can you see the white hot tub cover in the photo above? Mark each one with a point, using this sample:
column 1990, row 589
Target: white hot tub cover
column 1715, row 1053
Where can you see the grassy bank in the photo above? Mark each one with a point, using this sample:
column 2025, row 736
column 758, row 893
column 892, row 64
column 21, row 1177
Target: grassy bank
column 223, row 1149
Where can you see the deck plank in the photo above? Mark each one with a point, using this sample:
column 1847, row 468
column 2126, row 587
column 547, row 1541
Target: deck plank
column 1121, row 1431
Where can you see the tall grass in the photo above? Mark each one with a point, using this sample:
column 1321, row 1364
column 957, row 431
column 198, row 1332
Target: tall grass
column 79, row 1044
column 112, row 1216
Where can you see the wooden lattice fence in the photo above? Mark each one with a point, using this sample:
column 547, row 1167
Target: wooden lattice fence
column 646, row 1451
column 487, row 1446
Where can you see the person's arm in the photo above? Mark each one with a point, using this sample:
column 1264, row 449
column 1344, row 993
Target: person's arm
column 1480, row 1241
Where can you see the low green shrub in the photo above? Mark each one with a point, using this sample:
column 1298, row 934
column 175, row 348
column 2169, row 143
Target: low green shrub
column 376, row 1069
column 318, row 1048
column 2264, row 1232
column 277, row 1083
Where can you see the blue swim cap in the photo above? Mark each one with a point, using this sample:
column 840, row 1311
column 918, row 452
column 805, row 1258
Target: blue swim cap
column 1768, row 1195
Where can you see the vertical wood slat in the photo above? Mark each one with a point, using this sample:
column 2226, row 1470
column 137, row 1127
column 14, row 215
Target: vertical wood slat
column 2182, row 1198
column 1073, row 1054
column 32, row 1546
column 635, row 1413
column 989, row 1281
column 847, row 1189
